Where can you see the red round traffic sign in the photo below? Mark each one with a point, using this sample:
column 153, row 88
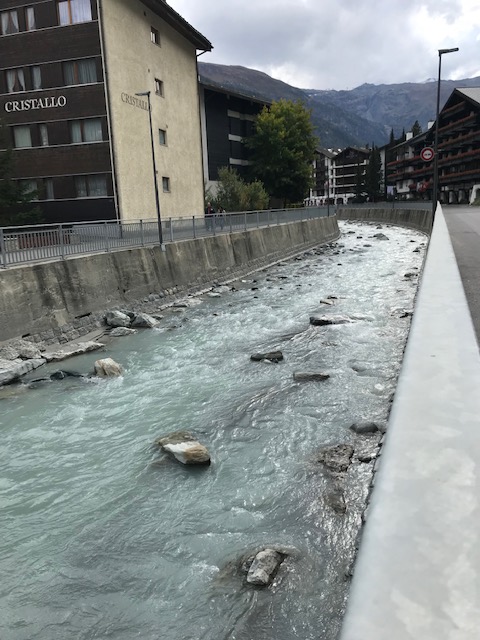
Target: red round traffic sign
column 427, row 154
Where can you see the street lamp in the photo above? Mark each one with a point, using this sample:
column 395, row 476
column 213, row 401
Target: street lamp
column 155, row 182
column 435, row 146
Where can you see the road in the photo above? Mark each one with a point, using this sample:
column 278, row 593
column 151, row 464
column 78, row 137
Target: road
column 464, row 227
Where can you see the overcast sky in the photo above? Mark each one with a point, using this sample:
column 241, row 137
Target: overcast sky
column 340, row 44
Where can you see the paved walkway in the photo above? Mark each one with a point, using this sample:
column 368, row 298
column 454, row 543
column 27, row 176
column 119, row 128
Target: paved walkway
column 464, row 227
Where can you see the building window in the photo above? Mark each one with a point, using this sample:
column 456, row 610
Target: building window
column 86, row 130
column 162, row 136
column 15, row 80
column 22, row 137
column 74, row 11
column 158, row 87
column 43, row 130
column 9, row 22
column 154, row 35
column 48, row 188
column 166, row 184
column 36, row 78
column 80, row 72
column 90, row 186
column 30, row 188
column 30, row 18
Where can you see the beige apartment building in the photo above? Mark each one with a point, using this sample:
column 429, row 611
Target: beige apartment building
column 70, row 75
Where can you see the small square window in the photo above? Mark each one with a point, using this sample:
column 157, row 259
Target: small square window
column 158, row 87
column 162, row 136
column 154, row 35
column 166, row 184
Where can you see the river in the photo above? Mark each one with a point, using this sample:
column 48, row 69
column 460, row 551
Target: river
column 103, row 536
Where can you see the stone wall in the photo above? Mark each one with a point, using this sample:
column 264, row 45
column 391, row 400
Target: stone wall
column 63, row 300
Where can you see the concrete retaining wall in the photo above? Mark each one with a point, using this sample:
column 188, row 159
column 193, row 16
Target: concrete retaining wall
column 417, row 573
column 42, row 299
column 412, row 218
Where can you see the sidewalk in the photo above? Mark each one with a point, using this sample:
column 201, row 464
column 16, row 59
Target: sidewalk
column 463, row 225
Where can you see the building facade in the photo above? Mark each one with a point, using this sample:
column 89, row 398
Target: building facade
column 227, row 122
column 458, row 154
column 71, row 72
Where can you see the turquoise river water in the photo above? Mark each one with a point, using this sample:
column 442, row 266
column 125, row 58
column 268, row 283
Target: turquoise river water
column 104, row 537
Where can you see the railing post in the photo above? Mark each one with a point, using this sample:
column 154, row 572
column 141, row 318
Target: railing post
column 230, row 219
column 3, row 252
column 245, row 220
column 62, row 241
column 142, row 234
column 194, row 228
column 107, row 246
column 258, row 219
column 171, row 229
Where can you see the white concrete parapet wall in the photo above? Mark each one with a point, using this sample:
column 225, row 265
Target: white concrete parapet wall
column 417, row 572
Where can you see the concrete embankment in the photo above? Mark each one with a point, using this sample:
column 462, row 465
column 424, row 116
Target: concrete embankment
column 61, row 301
column 417, row 573
column 411, row 218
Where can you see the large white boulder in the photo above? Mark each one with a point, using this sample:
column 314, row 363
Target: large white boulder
column 107, row 368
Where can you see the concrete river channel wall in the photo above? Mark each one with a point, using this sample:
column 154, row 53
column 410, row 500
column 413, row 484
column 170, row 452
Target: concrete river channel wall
column 62, row 300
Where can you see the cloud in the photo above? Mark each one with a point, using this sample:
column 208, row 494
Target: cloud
column 339, row 43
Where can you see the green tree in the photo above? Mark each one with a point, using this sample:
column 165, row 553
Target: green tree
column 234, row 194
column 15, row 197
column 282, row 150
column 416, row 128
column 373, row 176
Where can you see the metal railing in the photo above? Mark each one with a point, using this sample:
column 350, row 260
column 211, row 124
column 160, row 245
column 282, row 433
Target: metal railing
column 27, row 244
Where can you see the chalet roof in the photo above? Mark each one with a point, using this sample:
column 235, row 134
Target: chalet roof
column 175, row 20
column 328, row 153
column 472, row 93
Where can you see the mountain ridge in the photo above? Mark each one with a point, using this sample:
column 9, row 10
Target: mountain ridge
column 347, row 117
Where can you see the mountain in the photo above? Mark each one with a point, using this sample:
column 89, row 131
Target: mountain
column 393, row 106
column 356, row 117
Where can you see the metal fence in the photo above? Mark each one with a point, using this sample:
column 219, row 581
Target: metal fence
column 27, row 244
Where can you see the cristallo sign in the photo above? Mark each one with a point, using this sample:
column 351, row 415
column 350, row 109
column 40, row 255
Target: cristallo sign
column 35, row 103
column 134, row 101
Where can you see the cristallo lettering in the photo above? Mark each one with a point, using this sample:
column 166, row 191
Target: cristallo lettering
column 49, row 102
column 134, row 101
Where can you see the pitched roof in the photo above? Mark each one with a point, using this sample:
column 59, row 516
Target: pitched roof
column 175, row 20
column 473, row 93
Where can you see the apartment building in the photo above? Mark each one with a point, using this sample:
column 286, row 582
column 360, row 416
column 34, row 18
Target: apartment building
column 228, row 118
column 76, row 81
column 458, row 154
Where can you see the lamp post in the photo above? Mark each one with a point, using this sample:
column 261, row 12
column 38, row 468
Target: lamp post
column 435, row 145
column 155, row 182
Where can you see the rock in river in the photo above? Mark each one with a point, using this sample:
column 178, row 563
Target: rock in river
column 107, row 368
column 264, row 567
column 271, row 356
column 320, row 320
column 306, row 376
column 184, row 447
